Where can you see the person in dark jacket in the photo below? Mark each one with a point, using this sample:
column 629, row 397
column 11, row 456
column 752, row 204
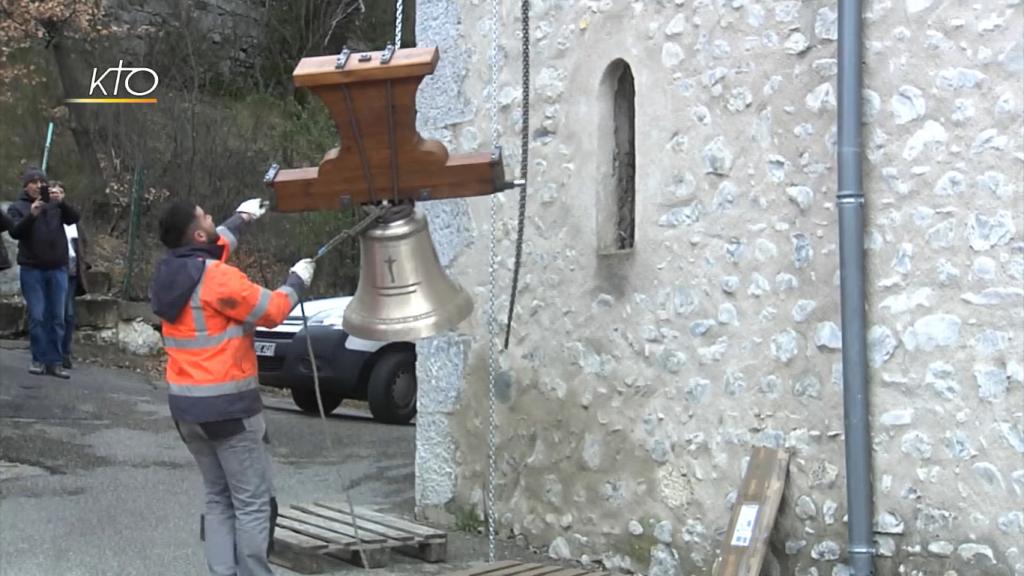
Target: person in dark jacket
column 5, row 224
column 77, row 266
column 43, row 256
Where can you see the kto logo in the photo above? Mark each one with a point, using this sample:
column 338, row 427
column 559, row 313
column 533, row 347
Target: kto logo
column 138, row 82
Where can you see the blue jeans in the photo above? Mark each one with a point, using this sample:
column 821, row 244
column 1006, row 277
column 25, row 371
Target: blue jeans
column 69, row 317
column 45, row 293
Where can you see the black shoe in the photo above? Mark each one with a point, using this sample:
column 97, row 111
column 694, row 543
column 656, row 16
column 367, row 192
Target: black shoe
column 36, row 368
column 58, row 371
column 66, row 364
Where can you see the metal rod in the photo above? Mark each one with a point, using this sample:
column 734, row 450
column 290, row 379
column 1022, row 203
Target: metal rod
column 46, row 149
column 850, row 200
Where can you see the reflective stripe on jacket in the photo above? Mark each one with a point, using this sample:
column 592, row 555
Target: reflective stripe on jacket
column 211, row 363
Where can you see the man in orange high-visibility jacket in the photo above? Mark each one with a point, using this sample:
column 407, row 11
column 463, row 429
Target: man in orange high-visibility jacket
column 209, row 309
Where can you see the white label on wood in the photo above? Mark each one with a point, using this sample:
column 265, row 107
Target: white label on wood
column 744, row 531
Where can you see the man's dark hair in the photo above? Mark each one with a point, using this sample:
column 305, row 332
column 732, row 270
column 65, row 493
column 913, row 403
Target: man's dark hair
column 176, row 223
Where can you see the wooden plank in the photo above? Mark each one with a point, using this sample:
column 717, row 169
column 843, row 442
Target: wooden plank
column 365, row 527
column 406, row 62
column 327, row 537
column 514, row 568
column 342, row 530
column 432, row 552
column 486, row 569
column 392, row 521
column 757, row 504
column 300, row 553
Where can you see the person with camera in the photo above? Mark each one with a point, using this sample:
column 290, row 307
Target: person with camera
column 77, row 266
column 43, row 257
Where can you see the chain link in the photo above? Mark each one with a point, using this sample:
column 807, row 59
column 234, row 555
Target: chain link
column 492, row 314
column 524, row 165
column 399, row 12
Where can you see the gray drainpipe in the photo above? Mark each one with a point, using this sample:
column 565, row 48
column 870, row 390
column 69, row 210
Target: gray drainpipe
column 851, row 266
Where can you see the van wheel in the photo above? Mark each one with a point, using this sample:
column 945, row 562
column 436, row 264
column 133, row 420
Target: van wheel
column 391, row 390
column 305, row 399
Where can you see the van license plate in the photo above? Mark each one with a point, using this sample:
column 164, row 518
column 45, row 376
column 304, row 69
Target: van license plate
column 265, row 348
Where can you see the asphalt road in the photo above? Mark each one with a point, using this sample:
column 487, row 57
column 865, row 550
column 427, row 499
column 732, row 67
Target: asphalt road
column 95, row 481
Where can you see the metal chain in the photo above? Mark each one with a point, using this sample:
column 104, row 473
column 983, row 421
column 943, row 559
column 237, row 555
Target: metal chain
column 524, row 165
column 399, row 10
column 492, row 315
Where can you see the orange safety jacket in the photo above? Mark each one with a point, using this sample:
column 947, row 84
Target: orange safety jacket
column 209, row 310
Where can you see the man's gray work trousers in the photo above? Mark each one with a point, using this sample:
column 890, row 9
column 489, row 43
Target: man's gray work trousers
column 237, row 525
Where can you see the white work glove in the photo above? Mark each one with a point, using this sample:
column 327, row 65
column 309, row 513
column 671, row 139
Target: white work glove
column 253, row 207
column 304, row 269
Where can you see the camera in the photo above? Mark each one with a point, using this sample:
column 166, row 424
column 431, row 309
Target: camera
column 44, row 191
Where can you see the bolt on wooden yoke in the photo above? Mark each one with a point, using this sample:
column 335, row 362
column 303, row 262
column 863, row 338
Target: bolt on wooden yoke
column 381, row 156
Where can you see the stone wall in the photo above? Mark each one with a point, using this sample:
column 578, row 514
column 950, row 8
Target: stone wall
column 637, row 381
column 230, row 28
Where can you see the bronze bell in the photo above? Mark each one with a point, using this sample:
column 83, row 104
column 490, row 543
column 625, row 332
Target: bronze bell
column 403, row 294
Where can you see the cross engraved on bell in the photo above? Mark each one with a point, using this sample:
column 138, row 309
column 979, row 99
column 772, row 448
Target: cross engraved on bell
column 390, row 261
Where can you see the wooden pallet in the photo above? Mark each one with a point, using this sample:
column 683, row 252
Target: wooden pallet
column 312, row 538
column 512, row 568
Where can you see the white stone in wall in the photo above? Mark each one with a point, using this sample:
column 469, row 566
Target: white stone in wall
column 985, row 232
column 802, row 196
column 671, row 54
column 802, row 310
column 994, row 296
column 908, row 301
column 635, row 528
column 970, row 552
column 992, row 383
column 827, row 335
column 807, row 386
column 871, row 105
column 946, row 272
column 942, row 378
column 826, row 24
column 941, row 548
column 786, row 11
column 802, row 250
column 676, row 26
column 559, row 549
column 797, row 43
column 664, row 562
column 959, row 79
column 889, row 522
column 931, row 137
column 930, row 332
column 727, row 314
column 916, row 444
column 881, row 345
column 805, row 508
column 902, row 417
column 784, row 346
column 990, row 475
column 963, row 110
column 822, row 98
column 915, row 6
column 908, row 104
column 825, row 550
column 984, row 268
column 828, row 512
column 718, row 158
column 793, row 546
column 989, row 140
column 901, row 263
column 951, row 183
column 764, row 250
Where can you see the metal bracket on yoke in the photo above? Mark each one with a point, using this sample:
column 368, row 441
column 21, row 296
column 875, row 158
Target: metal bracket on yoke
column 342, row 58
column 268, row 178
column 389, row 52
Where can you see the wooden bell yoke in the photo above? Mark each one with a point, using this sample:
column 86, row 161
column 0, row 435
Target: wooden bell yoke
column 372, row 98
